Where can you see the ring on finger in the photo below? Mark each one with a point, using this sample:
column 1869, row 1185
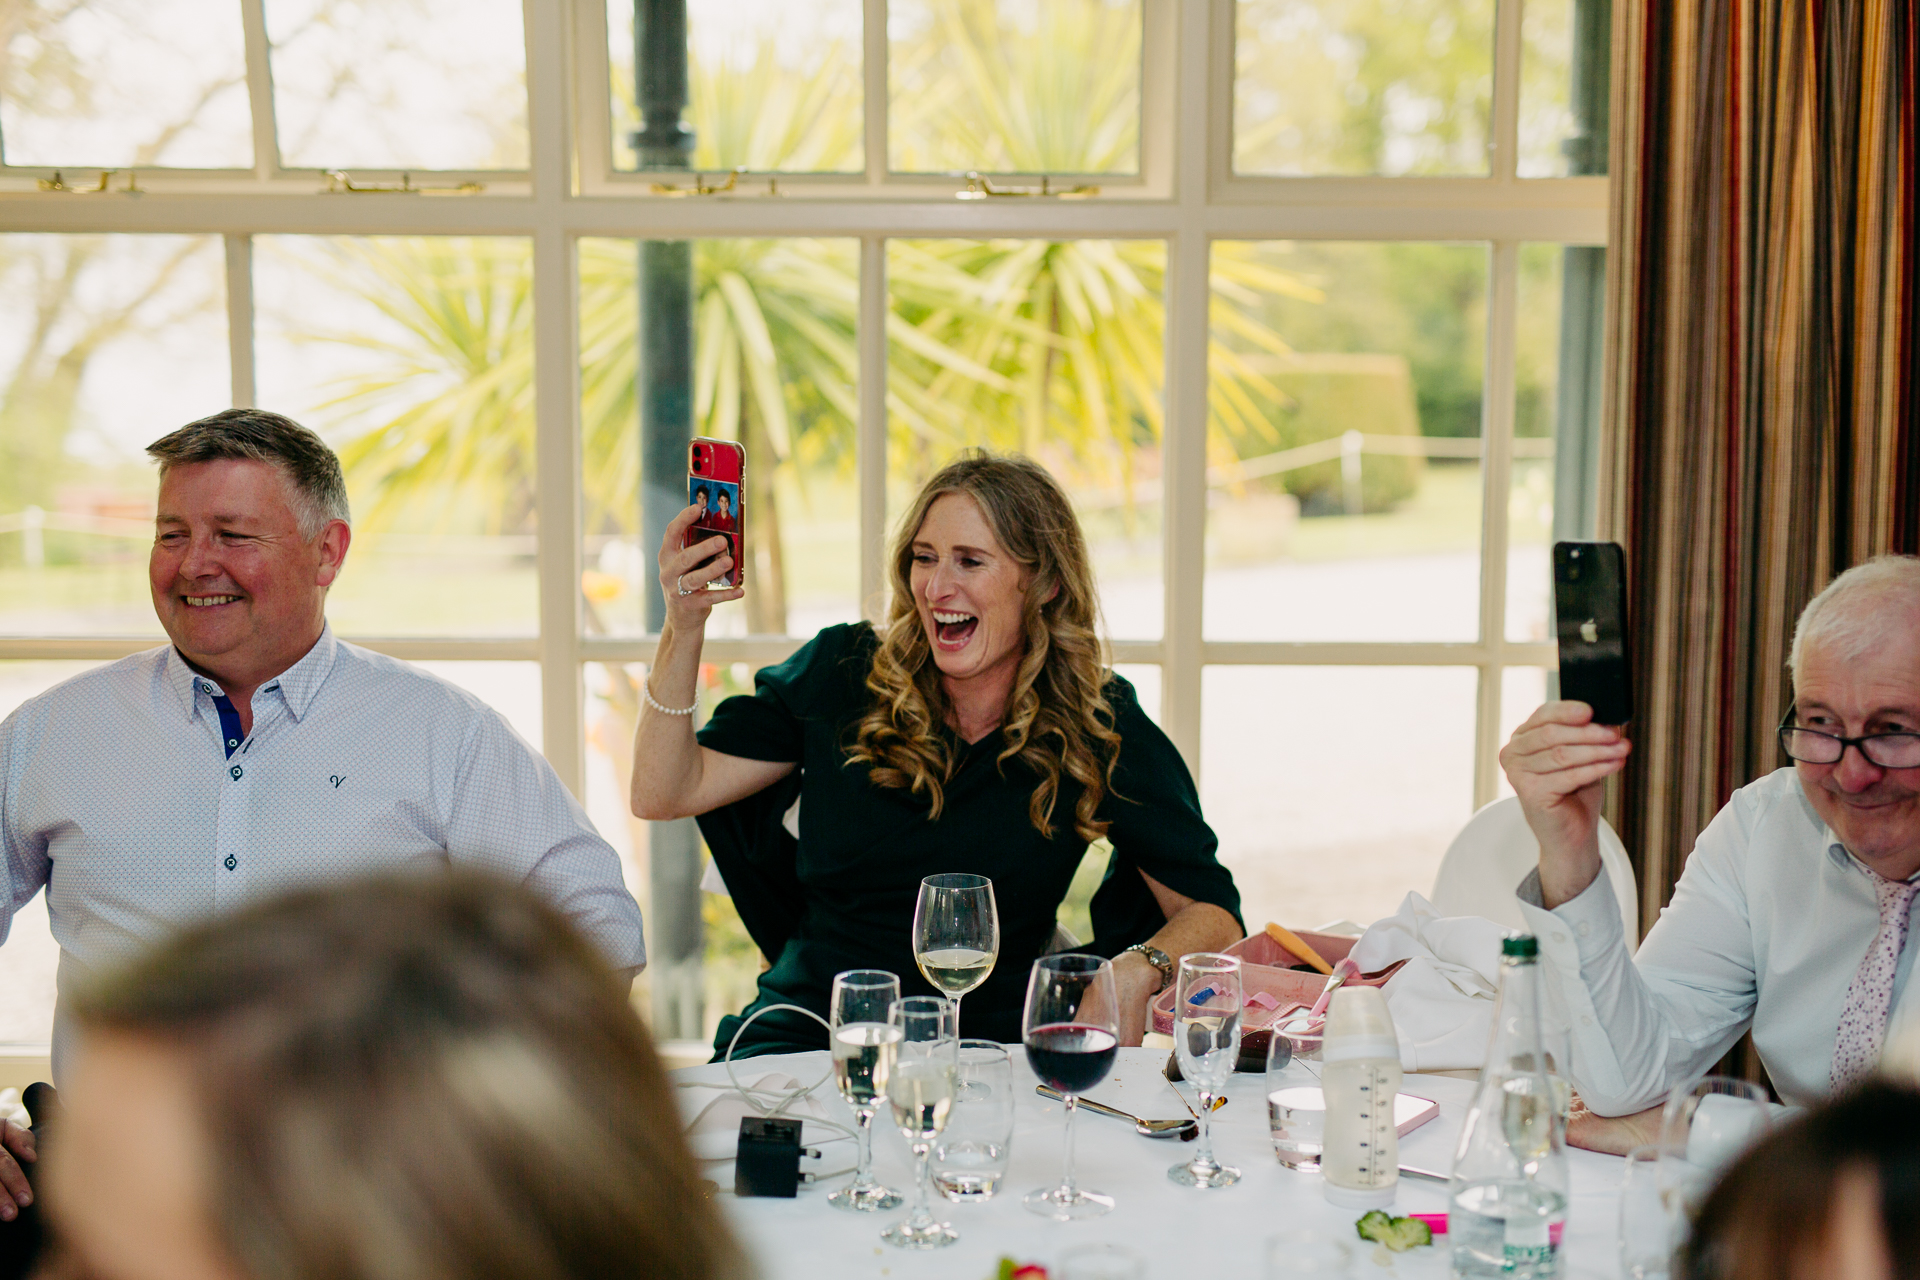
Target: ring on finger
column 681, row 587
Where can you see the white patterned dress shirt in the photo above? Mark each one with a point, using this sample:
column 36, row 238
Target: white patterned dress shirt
column 1768, row 925
column 117, row 796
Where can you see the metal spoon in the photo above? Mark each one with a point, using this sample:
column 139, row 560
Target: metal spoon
column 1185, row 1130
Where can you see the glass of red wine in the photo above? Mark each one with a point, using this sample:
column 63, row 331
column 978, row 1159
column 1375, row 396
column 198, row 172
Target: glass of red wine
column 1072, row 1036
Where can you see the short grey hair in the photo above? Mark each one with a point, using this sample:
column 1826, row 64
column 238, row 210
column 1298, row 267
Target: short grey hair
column 319, row 488
column 1850, row 616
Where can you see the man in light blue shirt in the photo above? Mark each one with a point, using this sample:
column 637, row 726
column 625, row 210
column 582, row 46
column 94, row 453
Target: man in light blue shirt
column 1793, row 915
column 257, row 751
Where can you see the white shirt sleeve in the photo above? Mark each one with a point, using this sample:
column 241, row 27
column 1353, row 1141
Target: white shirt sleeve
column 23, row 854
column 511, row 815
column 1643, row 1023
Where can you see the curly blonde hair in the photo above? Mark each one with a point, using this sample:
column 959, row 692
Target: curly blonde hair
column 1058, row 721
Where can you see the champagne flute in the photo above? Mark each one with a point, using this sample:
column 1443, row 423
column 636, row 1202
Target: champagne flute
column 956, row 933
column 920, row 1087
column 1072, row 1038
column 1206, row 1038
column 863, row 1048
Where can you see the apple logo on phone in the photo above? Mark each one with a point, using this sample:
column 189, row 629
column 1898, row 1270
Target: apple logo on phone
column 1590, row 632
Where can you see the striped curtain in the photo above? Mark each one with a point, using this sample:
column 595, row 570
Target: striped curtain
column 1762, row 379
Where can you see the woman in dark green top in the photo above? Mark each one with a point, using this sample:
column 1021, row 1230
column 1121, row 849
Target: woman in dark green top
column 978, row 733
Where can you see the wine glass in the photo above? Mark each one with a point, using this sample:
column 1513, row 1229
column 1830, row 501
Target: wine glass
column 956, row 933
column 1206, row 1038
column 863, row 1041
column 1072, row 1039
column 920, row 1086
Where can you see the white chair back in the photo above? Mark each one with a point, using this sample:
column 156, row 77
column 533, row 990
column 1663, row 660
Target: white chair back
column 1494, row 852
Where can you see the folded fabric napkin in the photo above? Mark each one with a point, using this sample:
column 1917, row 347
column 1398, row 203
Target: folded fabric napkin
column 1442, row 998
column 714, row 1130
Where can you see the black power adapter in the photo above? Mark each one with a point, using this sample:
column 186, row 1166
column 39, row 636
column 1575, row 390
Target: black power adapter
column 767, row 1160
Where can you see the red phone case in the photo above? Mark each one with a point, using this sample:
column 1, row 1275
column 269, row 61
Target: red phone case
column 716, row 472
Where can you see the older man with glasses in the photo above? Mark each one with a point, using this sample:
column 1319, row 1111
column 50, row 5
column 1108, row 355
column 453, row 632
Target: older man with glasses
column 1792, row 915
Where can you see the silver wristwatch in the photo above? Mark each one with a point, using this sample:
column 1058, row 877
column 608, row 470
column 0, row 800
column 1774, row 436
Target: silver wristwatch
column 1158, row 959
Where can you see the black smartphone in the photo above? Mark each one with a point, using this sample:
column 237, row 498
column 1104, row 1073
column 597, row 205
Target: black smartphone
column 1590, row 616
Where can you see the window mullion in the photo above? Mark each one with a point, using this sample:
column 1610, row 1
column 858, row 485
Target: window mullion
column 1504, row 146
column 1496, row 470
column 240, row 318
column 873, row 78
column 266, row 138
column 870, row 433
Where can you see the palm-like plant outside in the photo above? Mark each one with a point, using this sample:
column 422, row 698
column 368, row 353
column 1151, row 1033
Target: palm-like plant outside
column 1051, row 347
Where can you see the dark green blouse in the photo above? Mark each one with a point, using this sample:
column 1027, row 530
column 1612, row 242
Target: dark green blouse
column 843, row 896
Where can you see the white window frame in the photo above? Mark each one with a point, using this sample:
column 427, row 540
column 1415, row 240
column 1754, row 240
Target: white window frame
column 1185, row 196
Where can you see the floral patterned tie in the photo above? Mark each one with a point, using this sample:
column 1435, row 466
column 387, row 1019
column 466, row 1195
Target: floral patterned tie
column 1863, row 1020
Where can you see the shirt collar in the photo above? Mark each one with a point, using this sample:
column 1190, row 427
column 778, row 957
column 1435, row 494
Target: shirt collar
column 1844, row 858
column 297, row 685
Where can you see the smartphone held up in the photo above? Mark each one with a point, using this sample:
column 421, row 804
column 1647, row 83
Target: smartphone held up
column 1590, row 616
column 716, row 486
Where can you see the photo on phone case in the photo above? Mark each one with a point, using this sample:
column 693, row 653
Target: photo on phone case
column 719, row 505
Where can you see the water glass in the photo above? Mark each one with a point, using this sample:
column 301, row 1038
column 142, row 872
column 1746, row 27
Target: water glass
column 1297, row 1120
column 1206, row 1039
column 1101, row 1262
column 1703, row 1130
column 1646, row 1218
column 971, row 1156
column 1307, row 1253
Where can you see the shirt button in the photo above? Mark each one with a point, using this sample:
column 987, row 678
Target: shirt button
column 207, row 688
column 1586, row 1020
column 234, row 742
column 230, row 863
column 1559, row 937
column 1583, row 929
column 236, row 771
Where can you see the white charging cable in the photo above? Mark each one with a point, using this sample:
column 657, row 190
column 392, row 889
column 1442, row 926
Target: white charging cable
column 773, row 1102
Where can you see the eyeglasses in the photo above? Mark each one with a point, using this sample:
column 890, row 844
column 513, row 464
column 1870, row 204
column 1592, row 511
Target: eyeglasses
column 1813, row 746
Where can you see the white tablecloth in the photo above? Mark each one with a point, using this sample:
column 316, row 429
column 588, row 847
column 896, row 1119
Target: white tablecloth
column 1182, row 1232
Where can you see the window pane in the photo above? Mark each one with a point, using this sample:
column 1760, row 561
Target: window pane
column 1536, row 383
column 774, row 364
column 730, row 963
column 1052, row 349
column 111, row 342
column 414, row 358
column 511, row 688
column 1013, row 86
column 1522, row 690
column 1320, row 815
column 774, row 86
column 1389, row 87
column 1563, row 88
column 421, row 84
column 1344, row 490
column 121, row 83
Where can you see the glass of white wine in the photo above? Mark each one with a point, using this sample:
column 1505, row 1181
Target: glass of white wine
column 863, row 1041
column 956, row 933
column 920, row 1087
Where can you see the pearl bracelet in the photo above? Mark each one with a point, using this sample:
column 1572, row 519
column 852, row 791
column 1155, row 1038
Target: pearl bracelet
column 646, row 687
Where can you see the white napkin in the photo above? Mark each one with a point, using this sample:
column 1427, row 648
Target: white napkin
column 714, row 1130
column 1442, row 999
column 12, row 1109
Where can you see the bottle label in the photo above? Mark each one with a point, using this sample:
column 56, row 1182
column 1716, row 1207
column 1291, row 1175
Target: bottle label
column 1528, row 1242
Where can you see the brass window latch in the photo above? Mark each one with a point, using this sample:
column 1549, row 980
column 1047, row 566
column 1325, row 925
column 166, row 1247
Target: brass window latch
column 341, row 182
column 981, row 187
column 58, row 182
column 701, row 187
